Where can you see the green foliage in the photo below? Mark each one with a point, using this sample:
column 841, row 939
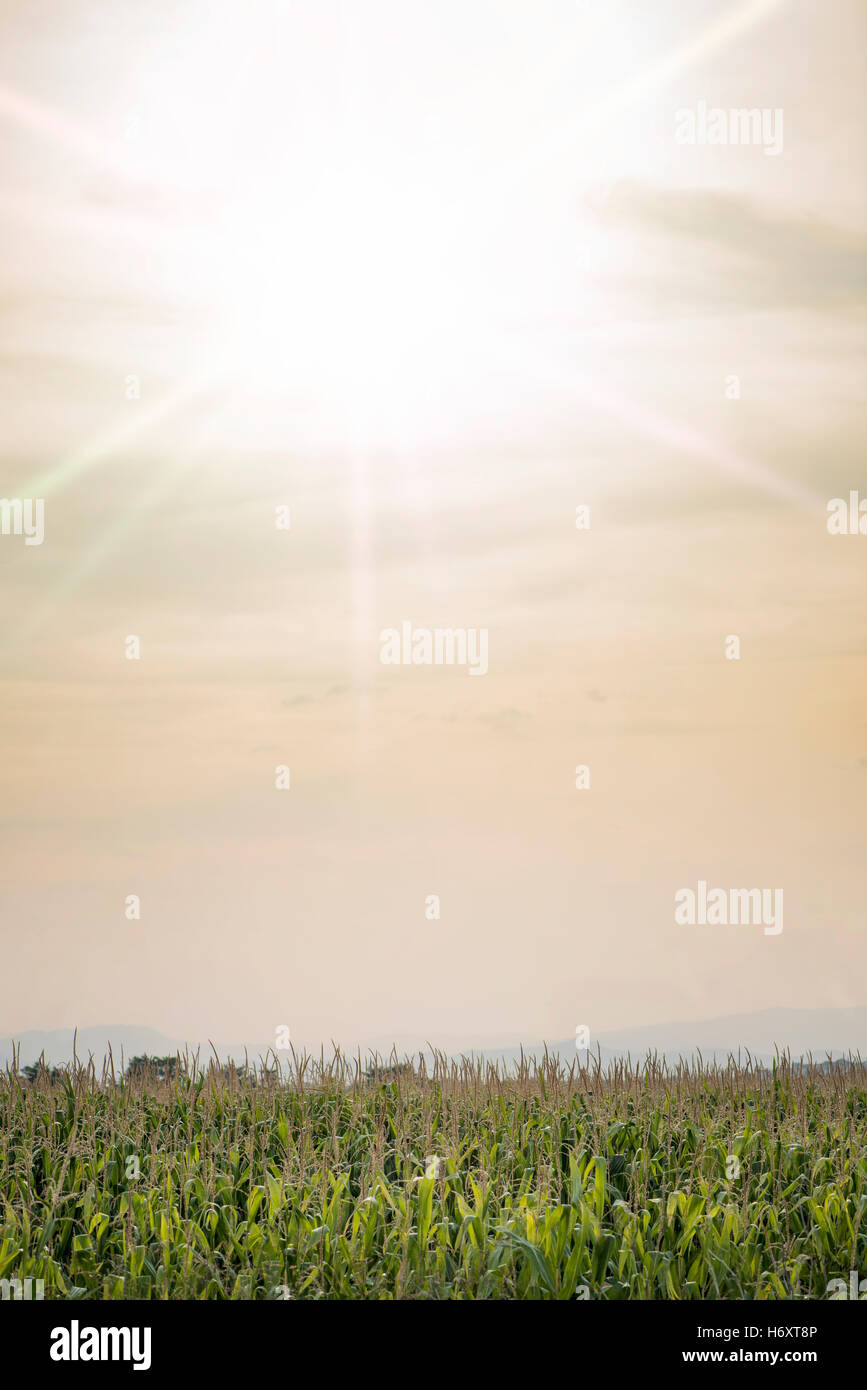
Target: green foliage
column 548, row 1184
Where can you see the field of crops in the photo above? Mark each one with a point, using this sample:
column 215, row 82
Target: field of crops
column 459, row 1183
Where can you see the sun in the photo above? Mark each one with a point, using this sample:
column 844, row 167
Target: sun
column 353, row 294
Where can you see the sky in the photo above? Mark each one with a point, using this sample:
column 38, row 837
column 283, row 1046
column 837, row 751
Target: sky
column 432, row 276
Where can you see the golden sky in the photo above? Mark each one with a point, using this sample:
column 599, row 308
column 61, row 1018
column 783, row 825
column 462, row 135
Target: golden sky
column 432, row 275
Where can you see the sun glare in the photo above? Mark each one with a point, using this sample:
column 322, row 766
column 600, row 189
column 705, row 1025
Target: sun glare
column 364, row 243
column 352, row 294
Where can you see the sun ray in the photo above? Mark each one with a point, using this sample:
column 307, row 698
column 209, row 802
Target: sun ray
column 589, row 388
column 106, row 544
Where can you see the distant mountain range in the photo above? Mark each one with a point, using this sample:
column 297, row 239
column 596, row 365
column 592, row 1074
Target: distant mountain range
column 59, row 1045
column 819, row 1032
column 801, row 1032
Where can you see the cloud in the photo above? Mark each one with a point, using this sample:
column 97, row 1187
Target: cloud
column 506, row 721
column 295, row 701
column 161, row 203
column 734, row 251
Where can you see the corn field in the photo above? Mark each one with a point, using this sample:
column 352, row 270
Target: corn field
column 439, row 1181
